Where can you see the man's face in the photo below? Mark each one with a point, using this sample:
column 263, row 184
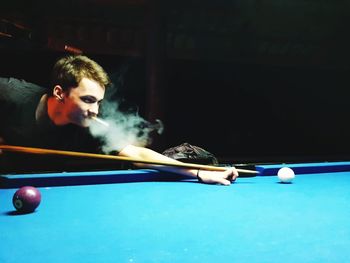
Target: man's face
column 82, row 102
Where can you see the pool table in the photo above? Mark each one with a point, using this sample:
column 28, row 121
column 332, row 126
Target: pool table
column 146, row 216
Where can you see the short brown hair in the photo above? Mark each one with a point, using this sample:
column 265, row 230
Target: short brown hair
column 70, row 70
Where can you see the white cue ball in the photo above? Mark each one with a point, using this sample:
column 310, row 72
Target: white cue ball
column 286, row 175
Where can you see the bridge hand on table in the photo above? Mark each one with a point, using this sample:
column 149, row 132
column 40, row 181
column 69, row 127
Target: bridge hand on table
column 217, row 177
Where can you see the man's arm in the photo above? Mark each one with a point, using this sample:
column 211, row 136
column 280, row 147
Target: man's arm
column 212, row 177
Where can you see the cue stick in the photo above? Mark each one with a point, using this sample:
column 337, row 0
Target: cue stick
column 22, row 149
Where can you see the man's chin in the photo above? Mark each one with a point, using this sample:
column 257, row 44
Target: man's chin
column 84, row 123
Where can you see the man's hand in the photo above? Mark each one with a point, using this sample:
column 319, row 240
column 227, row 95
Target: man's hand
column 204, row 176
column 213, row 177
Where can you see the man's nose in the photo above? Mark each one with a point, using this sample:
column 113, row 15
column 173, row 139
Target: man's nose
column 93, row 111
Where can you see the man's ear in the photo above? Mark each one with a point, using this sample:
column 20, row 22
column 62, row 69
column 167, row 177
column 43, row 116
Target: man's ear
column 58, row 92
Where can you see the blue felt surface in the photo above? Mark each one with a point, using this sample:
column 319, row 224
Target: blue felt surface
column 254, row 220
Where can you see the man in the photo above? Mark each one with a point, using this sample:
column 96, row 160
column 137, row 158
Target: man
column 59, row 118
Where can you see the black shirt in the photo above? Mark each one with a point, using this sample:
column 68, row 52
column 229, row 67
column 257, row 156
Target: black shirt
column 18, row 103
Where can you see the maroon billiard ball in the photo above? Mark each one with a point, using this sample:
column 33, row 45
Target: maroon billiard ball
column 26, row 199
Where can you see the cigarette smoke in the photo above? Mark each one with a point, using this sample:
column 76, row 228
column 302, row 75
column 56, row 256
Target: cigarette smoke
column 124, row 128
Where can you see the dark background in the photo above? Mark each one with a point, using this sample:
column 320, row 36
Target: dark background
column 250, row 81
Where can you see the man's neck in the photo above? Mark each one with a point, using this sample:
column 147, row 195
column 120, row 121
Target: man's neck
column 54, row 112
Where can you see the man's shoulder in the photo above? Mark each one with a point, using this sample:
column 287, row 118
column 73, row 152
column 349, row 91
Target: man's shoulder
column 19, row 91
column 14, row 83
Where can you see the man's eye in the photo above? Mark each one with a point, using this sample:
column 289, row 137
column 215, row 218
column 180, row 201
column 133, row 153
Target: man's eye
column 88, row 100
